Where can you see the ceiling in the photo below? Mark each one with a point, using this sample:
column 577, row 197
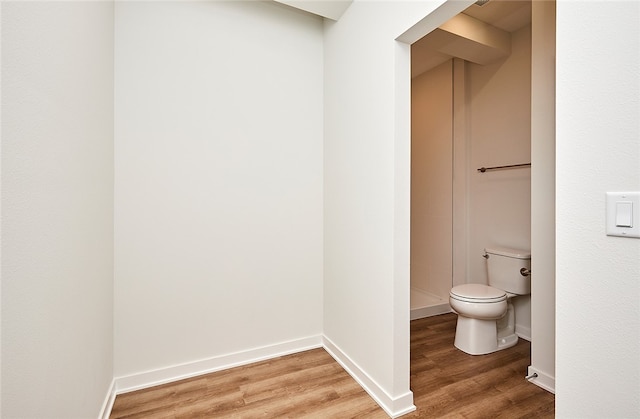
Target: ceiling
column 502, row 15
column 508, row 15
column 330, row 9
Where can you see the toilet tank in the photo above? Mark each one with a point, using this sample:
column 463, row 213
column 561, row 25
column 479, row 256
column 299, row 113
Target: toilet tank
column 503, row 269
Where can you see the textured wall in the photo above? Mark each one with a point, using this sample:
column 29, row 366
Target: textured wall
column 57, row 208
column 218, row 187
column 432, row 180
column 598, row 150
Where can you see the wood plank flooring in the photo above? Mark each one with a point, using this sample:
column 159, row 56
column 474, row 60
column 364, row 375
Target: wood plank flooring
column 445, row 383
column 449, row 383
column 306, row 384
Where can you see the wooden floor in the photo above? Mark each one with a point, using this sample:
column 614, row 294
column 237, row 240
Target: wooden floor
column 445, row 383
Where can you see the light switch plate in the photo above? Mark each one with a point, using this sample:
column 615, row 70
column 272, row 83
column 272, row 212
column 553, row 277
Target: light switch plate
column 623, row 208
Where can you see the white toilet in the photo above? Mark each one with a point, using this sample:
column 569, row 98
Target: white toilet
column 486, row 319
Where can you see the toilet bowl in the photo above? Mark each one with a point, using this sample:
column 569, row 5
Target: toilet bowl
column 478, row 307
column 478, row 301
column 486, row 318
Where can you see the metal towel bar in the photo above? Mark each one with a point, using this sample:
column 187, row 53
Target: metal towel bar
column 511, row 166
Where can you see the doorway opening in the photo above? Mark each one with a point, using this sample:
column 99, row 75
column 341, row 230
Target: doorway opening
column 469, row 222
column 470, row 107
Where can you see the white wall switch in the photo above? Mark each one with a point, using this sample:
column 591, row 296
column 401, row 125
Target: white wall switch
column 623, row 214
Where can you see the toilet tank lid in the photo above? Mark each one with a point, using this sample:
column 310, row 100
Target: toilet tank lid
column 512, row 253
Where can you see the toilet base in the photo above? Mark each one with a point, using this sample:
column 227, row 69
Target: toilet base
column 476, row 336
column 481, row 337
column 507, row 341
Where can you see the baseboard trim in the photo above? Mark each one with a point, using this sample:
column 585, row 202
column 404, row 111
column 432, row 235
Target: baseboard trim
column 192, row 369
column 523, row 332
column 394, row 407
column 422, row 312
column 105, row 411
column 542, row 380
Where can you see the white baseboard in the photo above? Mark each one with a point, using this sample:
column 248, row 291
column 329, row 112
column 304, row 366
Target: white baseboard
column 422, row 312
column 394, row 407
column 105, row 411
column 192, row 369
column 523, row 332
column 543, row 380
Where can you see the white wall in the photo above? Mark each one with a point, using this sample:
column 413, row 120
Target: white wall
column 432, row 180
column 57, row 208
column 218, row 186
column 499, row 130
column 598, row 150
column 367, row 174
column 543, row 192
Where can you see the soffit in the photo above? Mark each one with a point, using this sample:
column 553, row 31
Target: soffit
column 504, row 15
column 330, row 9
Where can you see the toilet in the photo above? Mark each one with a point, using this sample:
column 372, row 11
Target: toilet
column 486, row 319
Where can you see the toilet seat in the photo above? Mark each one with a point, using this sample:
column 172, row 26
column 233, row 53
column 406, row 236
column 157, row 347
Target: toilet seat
column 477, row 293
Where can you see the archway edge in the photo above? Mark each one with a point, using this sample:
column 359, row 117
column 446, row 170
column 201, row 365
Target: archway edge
column 444, row 12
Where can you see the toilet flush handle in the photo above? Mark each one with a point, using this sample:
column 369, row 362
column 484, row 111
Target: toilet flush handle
column 525, row 272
